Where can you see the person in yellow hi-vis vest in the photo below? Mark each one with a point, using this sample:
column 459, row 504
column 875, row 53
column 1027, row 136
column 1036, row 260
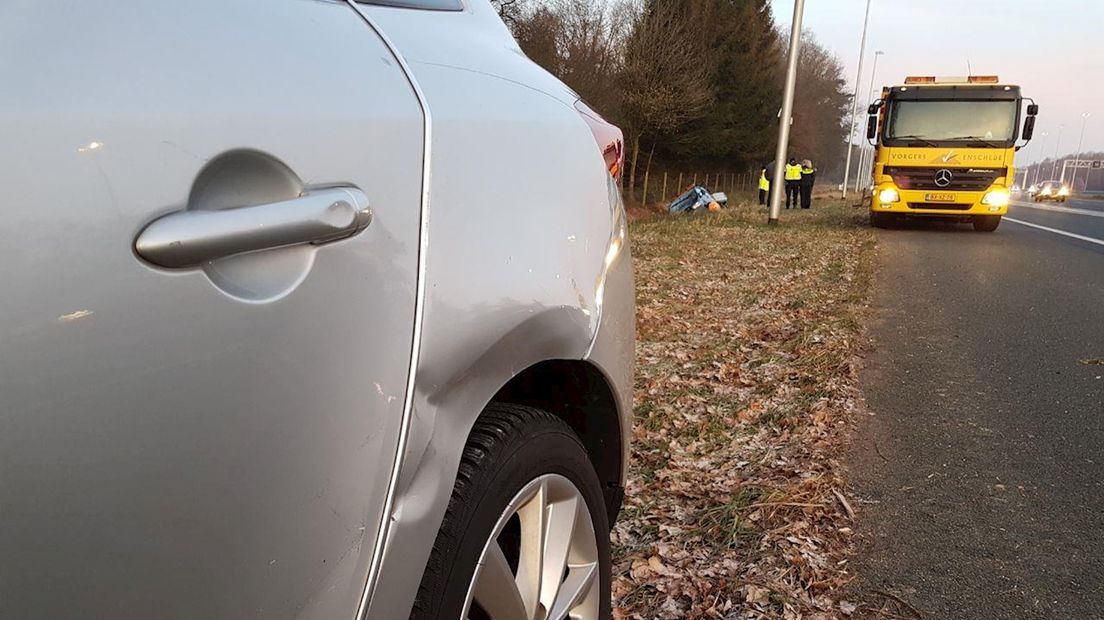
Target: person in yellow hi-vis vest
column 764, row 187
column 793, row 183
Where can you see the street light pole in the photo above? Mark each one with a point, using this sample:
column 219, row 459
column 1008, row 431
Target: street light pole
column 1073, row 181
column 1057, row 143
column 1042, row 151
column 1027, row 167
column 777, row 183
column 863, row 151
column 855, row 100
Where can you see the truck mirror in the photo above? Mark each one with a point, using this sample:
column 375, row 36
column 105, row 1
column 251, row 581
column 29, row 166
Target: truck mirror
column 872, row 109
column 1029, row 127
column 872, row 127
column 1032, row 109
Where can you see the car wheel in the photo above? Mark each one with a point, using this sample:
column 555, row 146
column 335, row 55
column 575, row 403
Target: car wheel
column 986, row 223
column 525, row 535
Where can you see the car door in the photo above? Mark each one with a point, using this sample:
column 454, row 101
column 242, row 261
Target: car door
column 208, row 266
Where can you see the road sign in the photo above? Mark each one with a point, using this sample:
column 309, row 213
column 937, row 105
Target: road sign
column 1082, row 163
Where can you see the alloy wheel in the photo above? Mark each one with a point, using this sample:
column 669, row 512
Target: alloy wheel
column 541, row 560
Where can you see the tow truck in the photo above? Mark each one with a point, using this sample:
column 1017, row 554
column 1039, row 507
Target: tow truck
column 945, row 149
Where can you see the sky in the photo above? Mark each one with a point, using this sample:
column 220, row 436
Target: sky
column 1053, row 49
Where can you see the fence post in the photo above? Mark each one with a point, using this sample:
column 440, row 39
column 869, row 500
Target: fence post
column 679, row 188
column 644, row 199
column 664, row 196
column 695, row 178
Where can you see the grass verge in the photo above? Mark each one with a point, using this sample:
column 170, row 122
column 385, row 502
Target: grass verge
column 747, row 340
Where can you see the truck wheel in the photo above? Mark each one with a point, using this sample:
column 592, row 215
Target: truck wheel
column 986, row 223
column 525, row 534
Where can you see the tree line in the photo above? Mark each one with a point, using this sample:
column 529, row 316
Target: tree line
column 694, row 84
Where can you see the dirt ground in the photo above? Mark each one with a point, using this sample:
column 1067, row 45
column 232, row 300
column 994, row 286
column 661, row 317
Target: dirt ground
column 748, row 337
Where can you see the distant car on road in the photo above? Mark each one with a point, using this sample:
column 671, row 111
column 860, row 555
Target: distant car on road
column 1056, row 191
column 312, row 309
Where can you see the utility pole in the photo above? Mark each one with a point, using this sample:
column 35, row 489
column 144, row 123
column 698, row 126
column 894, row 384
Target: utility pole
column 864, row 161
column 777, row 188
column 1027, row 169
column 1073, row 181
column 855, row 100
column 1039, row 167
column 1057, row 143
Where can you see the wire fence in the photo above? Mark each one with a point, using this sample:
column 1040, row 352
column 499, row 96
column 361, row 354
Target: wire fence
column 662, row 188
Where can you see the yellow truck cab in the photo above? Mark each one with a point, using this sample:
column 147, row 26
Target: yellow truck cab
column 945, row 148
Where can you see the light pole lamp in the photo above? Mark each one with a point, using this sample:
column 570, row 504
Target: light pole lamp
column 786, row 116
column 1057, row 143
column 866, row 155
column 1073, row 182
column 855, row 101
column 1042, row 150
column 1039, row 166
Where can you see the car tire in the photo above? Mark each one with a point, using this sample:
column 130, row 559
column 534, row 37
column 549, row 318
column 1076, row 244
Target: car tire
column 986, row 223
column 511, row 449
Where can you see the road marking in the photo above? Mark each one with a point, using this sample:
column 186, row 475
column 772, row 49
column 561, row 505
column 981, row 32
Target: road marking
column 1056, row 231
column 1060, row 209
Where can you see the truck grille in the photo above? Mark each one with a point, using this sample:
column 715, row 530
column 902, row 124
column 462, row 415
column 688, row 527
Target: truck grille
column 960, row 179
column 942, row 206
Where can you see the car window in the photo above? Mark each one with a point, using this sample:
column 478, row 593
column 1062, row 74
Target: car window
column 433, row 5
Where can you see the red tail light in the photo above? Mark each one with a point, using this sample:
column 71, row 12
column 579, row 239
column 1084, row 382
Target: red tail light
column 611, row 142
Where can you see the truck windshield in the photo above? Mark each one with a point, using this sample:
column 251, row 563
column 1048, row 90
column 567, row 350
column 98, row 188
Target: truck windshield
column 987, row 123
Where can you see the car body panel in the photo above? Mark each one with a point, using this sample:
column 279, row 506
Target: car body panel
column 175, row 443
column 514, row 167
column 222, row 442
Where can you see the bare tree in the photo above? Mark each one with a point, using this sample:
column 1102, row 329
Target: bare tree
column 820, row 105
column 580, row 42
column 510, row 11
column 665, row 80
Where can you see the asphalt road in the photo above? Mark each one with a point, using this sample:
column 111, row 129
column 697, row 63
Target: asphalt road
column 981, row 467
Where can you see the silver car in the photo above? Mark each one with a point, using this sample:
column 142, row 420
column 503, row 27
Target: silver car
column 310, row 309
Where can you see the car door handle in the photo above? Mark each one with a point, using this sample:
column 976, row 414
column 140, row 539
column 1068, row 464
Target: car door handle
column 190, row 238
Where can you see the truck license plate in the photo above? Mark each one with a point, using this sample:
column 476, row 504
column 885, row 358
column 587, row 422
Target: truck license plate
column 939, row 197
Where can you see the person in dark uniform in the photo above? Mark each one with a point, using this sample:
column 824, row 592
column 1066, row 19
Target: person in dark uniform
column 808, row 178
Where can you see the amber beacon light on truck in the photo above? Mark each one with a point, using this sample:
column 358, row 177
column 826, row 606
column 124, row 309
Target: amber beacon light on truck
column 945, row 149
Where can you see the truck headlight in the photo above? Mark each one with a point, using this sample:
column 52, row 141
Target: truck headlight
column 996, row 198
column 1064, row 191
column 889, row 195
